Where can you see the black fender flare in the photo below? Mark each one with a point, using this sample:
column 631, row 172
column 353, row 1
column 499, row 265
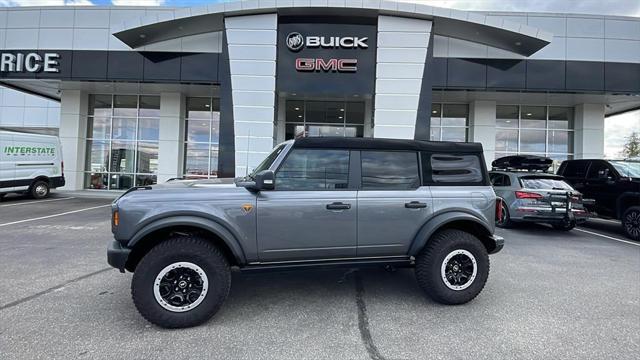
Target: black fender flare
column 437, row 222
column 624, row 196
column 195, row 221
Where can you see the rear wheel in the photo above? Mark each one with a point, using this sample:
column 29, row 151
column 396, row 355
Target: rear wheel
column 503, row 220
column 631, row 222
column 453, row 268
column 565, row 225
column 181, row 283
column 39, row 189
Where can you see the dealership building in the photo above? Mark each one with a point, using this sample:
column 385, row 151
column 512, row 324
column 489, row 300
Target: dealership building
column 149, row 94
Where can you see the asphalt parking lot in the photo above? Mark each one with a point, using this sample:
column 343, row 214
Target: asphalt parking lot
column 550, row 294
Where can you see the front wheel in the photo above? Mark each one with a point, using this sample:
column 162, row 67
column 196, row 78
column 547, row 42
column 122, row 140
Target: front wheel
column 631, row 222
column 180, row 283
column 39, row 189
column 453, row 268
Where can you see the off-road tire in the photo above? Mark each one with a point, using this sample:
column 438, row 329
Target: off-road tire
column 181, row 249
column 506, row 223
column 630, row 223
column 39, row 189
column 429, row 264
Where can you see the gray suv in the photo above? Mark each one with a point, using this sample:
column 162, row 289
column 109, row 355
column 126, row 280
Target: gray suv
column 312, row 202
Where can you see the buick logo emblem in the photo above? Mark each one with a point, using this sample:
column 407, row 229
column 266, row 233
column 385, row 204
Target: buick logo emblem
column 295, row 41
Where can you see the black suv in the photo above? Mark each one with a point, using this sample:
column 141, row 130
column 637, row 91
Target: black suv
column 613, row 184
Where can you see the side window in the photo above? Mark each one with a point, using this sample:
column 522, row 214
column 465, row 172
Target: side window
column 576, row 169
column 390, row 170
column 314, row 169
column 463, row 169
column 500, row 180
column 599, row 170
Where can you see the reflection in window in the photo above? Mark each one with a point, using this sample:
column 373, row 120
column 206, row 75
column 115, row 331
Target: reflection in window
column 449, row 122
column 324, row 118
column 314, row 169
column 390, row 170
column 122, row 141
column 202, row 134
column 447, row 168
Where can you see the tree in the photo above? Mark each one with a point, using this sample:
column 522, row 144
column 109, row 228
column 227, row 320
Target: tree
column 632, row 146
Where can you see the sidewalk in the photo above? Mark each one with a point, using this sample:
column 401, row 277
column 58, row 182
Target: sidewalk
column 107, row 194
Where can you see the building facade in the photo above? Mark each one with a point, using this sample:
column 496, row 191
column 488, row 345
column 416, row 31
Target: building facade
column 149, row 94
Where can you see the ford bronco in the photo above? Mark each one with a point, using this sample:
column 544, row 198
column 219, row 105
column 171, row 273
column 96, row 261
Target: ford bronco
column 312, row 202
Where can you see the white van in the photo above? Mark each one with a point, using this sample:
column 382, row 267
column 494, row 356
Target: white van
column 30, row 163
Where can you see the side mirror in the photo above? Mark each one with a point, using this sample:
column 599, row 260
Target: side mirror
column 265, row 180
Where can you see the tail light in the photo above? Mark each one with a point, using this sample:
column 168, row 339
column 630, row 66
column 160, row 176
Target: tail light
column 499, row 209
column 62, row 167
column 115, row 218
column 528, row 195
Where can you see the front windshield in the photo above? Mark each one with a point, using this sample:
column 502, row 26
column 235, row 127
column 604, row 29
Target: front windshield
column 266, row 163
column 627, row 168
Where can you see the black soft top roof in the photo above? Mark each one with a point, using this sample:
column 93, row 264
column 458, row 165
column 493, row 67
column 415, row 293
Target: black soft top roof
column 386, row 144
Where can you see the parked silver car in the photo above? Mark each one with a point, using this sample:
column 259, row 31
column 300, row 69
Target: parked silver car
column 536, row 197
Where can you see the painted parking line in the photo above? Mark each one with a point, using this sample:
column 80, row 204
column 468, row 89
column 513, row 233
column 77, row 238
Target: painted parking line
column 36, row 202
column 54, row 215
column 608, row 237
column 605, row 220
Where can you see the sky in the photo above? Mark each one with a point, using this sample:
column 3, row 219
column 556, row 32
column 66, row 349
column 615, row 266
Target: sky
column 616, row 127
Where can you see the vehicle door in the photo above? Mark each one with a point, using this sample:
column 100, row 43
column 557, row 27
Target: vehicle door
column 7, row 163
column 392, row 203
column 600, row 185
column 501, row 185
column 311, row 213
column 575, row 173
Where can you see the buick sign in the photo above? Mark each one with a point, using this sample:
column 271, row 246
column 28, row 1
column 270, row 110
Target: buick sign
column 295, row 42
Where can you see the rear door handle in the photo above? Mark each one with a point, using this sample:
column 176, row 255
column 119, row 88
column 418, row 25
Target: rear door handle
column 415, row 205
column 338, row 206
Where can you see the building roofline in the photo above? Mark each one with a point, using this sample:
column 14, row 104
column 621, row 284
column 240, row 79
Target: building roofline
column 472, row 26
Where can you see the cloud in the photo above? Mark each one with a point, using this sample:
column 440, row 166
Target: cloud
column 616, row 130
column 138, row 2
column 45, row 2
column 599, row 7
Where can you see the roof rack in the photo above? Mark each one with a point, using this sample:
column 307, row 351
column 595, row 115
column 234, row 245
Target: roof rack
column 526, row 163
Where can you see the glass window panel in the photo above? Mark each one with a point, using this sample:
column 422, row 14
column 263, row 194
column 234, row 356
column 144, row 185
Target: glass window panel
column 390, row 170
column 213, row 163
column 125, row 105
column 146, row 180
column 533, row 117
column 121, row 181
column 122, row 156
column 456, row 168
column 354, row 131
column 454, row 134
column 355, row 112
column 198, row 108
column 506, row 140
column 215, row 130
column 436, row 114
column 196, row 159
column 560, row 141
column 147, row 158
column 124, row 128
column 215, row 104
column 334, row 112
column 560, row 117
column 198, row 130
column 99, row 127
column 314, row 169
column 455, row 115
column 294, row 111
column 322, row 130
column 100, row 105
column 434, row 134
column 148, row 129
column 96, row 180
column 97, row 156
column 149, row 106
column 532, row 141
column 294, row 131
column 507, row 116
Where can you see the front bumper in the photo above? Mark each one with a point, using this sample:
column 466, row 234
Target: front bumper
column 117, row 255
column 498, row 241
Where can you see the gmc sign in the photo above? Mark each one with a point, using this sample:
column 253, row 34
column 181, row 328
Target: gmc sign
column 339, row 65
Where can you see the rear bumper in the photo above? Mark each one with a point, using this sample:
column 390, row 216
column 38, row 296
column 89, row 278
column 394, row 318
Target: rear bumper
column 499, row 243
column 117, row 255
column 550, row 216
column 56, row 182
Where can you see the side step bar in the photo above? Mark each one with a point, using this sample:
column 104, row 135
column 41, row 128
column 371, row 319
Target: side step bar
column 328, row 264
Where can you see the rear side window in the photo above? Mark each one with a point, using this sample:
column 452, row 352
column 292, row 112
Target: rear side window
column 456, row 169
column 500, row 180
column 314, row 169
column 544, row 184
column 390, row 170
column 575, row 169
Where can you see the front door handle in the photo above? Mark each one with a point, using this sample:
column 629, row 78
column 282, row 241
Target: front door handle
column 415, row 205
column 338, row 206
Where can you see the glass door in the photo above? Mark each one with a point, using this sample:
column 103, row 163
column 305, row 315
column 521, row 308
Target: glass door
column 324, row 118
